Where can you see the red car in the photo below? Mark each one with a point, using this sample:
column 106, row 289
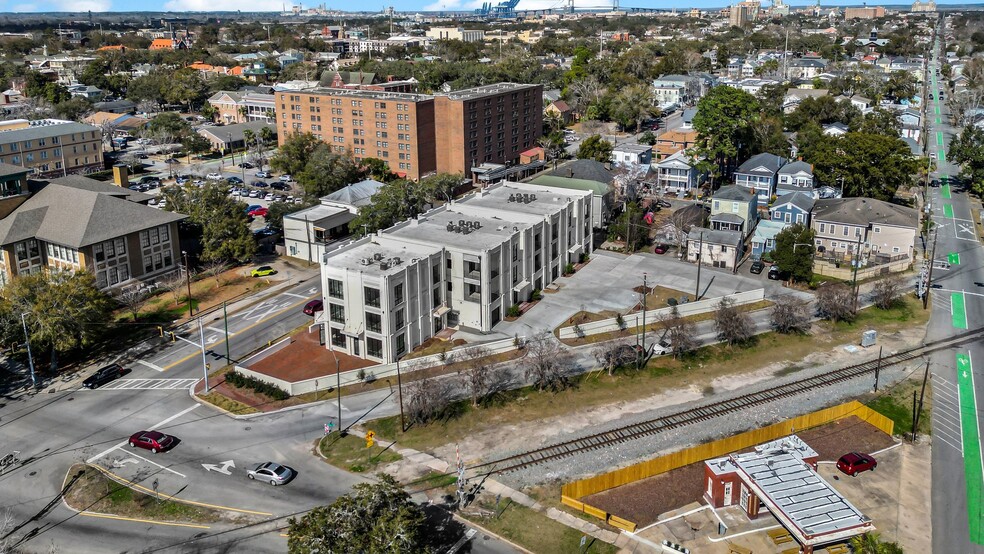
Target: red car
column 856, row 462
column 661, row 249
column 155, row 441
column 313, row 306
column 258, row 212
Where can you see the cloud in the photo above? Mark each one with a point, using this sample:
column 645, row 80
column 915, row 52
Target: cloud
column 24, row 8
column 462, row 5
column 452, row 5
column 83, row 5
column 222, row 5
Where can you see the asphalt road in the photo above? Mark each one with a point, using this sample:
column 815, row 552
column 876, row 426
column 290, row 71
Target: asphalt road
column 957, row 305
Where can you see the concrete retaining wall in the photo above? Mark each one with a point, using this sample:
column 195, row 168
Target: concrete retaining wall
column 632, row 321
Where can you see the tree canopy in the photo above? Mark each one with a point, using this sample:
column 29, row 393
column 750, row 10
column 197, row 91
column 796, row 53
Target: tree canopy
column 595, row 148
column 793, row 252
column 373, row 518
column 394, row 202
column 967, row 149
column 869, row 165
column 724, row 125
column 223, row 224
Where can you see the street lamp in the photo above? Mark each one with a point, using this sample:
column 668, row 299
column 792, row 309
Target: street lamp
column 232, row 152
column 188, row 281
column 30, row 359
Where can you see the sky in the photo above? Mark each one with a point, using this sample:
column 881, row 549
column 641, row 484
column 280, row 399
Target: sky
column 400, row 5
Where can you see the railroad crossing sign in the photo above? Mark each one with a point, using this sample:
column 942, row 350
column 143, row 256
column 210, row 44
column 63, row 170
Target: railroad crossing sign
column 370, row 438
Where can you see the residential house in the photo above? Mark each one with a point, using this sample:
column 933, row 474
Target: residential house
column 880, row 231
column 632, row 154
column 77, row 223
column 560, row 109
column 687, row 119
column 172, row 43
column 862, row 103
column 734, row 208
column 590, row 170
column 794, row 177
column 793, row 208
column 310, row 232
column 240, row 106
column 795, row 96
column 115, row 106
column 759, row 174
column 120, row 124
column 805, row 68
column 681, row 90
column 764, row 237
column 289, row 58
column 671, row 142
column 715, row 248
column 835, row 129
column 911, row 121
column 89, row 92
column 461, row 265
column 678, row 173
column 233, row 136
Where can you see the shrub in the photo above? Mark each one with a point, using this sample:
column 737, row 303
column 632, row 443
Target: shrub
column 513, row 311
column 536, row 295
column 239, row 380
column 568, row 269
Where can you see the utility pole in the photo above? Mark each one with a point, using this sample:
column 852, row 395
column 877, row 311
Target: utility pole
column 225, row 320
column 188, row 280
column 700, row 251
column 932, row 262
column 399, row 388
column 922, row 393
column 878, row 367
column 645, row 294
column 857, row 264
column 914, row 414
column 30, row 359
column 201, row 337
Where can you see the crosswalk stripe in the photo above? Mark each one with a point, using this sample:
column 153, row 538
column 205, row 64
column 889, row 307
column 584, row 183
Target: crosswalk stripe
column 149, row 384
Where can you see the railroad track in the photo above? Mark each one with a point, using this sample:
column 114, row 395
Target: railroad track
column 713, row 410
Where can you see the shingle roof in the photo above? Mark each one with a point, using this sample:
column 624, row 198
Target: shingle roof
column 730, row 238
column 591, row 170
column 728, row 218
column 733, row 192
column 771, row 162
column 76, row 217
column 801, row 200
column 54, row 129
column 862, row 211
column 92, row 185
column 795, row 167
column 356, row 194
column 7, row 169
column 596, row 187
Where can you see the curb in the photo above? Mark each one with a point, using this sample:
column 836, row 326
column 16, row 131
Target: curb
column 464, row 521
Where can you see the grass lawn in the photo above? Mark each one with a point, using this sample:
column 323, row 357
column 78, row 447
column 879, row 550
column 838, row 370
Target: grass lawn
column 533, row 530
column 661, row 374
column 350, row 453
column 95, row 492
column 896, row 404
column 206, row 292
column 433, row 346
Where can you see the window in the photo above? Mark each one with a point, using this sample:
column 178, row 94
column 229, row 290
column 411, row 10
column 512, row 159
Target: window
column 398, row 294
column 400, row 320
column 734, row 207
column 435, row 273
column 335, row 289
column 846, row 230
column 374, row 322
column 717, row 204
column 336, row 313
column 337, row 338
column 371, row 296
column 374, row 348
column 877, row 229
column 823, row 227
column 401, row 344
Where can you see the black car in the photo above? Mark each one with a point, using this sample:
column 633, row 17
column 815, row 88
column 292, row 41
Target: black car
column 757, row 267
column 235, row 180
column 246, row 165
column 777, row 275
column 103, row 376
column 280, row 186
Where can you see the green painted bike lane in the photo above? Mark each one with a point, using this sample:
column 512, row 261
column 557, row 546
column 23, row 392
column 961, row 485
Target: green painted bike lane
column 953, row 258
column 971, row 437
column 945, row 190
column 948, row 210
column 939, row 138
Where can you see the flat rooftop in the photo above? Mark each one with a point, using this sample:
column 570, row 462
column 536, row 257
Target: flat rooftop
column 370, row 94
column 318, row 214
column 487, row 90
column 377, row 258
column 522, row 198
column 803, row 501
column 457, row 231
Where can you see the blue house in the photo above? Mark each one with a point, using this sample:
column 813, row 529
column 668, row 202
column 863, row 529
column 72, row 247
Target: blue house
column 758, row 175
column 792, row 208
column 764, row 238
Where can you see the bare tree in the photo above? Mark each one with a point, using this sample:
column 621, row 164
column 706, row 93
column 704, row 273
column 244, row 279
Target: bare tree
column 585, row 92
column 6, row 527
column 546, row 363
column 887, row 292
column 681, row 332
column 790, row 315
column 479, row 373
column 733, row 325
column 427, row 399
column 835, row 301
column 612, row 355
column 132, row 298
column 214, row 269
column 173, row 284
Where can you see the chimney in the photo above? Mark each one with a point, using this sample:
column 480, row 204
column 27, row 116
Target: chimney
column 121, row 175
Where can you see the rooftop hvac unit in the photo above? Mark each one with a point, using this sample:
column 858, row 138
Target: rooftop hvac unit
column 396, row 260
column 450, row 227
column 365, row 261
column 377, row 256
column 512, row 198
column 384, row 265
column 478, row 224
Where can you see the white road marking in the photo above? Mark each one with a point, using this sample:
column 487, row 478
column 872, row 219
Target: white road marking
column 160, row 466
column 961, row 292
column 223, row 470
column 148, row 384
column 150, row 365
column 220, row 331
column 161, row 424
column 294, row 295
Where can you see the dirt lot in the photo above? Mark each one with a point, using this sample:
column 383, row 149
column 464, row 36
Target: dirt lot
column 644, row 501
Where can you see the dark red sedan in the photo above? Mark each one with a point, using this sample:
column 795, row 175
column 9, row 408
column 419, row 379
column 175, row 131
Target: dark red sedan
column 661, row 249
column 313, row 306
column 856, row 462
column 155, row 441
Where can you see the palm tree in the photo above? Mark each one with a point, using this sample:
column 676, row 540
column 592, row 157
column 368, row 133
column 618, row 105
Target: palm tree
column 871, row 543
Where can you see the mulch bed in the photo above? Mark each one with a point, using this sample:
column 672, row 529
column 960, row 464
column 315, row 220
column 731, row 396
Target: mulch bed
column 643, row 501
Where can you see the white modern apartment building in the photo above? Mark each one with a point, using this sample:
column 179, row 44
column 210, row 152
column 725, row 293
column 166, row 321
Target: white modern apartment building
column 459, row 265
column 456, row 33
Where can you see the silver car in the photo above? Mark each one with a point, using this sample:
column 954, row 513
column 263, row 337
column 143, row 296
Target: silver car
column 271, row 472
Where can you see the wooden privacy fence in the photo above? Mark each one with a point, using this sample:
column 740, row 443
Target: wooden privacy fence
column 571, row 492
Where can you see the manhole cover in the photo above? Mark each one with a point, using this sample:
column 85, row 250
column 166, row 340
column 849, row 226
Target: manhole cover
column 70, row 398
column 247, row 428
column 32, row 474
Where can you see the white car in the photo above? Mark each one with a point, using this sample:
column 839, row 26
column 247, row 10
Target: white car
column 286, row 179
column 254, row 194
column 269, row 197
column 214, row 176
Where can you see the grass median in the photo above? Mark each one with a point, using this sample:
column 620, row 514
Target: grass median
column 349, row 452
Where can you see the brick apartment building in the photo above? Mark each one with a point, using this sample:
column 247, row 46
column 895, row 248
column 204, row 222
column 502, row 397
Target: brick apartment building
column 51, row 147
column 417, row 134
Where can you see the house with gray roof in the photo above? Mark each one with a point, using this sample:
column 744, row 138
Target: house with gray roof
column 715, row 248
column 795, row 176
column 792, row 208
column 758, row 175
column 310, row 232
column 75, row 224
column 734, row 208
column 602, row 195
column 873, row 230
column 591, row 170
column 233, row 136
